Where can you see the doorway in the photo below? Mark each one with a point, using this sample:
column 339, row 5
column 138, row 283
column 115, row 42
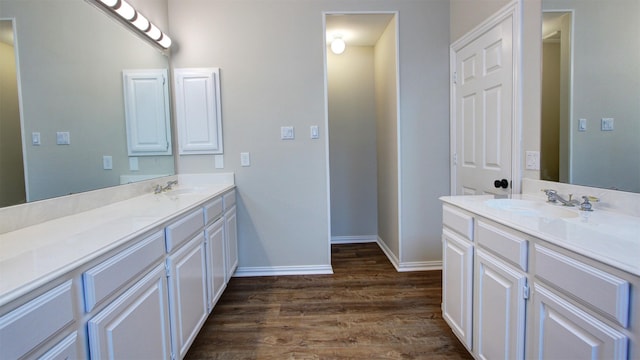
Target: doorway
column 362, row 119
column 12, row 184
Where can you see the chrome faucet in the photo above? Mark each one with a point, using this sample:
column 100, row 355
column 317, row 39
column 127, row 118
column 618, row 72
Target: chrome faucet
column 159, row 188
column 586, row 204
column 553, row 197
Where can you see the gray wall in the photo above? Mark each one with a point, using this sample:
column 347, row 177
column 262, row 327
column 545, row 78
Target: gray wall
column 271, row 57
column 352, row 142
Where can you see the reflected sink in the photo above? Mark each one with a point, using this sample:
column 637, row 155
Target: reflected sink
column 531, row 208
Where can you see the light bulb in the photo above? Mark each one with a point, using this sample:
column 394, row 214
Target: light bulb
column 165, row 41
column 141, row 22
column 338, row 46
column 154, row 32
column 125, row 10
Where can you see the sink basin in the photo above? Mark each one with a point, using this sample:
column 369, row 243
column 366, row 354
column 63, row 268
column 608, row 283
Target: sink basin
column 531, row 208
column 177, row 193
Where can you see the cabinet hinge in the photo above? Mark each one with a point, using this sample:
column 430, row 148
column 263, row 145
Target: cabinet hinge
column 455, row 159
column 525, row 292
column 454, row 77
column 167, row 270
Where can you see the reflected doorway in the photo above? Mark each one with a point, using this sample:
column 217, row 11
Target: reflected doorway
column 555, row 140
column 12, row 184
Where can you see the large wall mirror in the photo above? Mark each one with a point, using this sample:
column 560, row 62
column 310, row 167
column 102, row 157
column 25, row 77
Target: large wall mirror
column 71, row 56
column 591, row 93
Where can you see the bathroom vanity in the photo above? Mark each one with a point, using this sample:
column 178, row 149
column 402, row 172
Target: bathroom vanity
column 525, row 279
column 133, row 279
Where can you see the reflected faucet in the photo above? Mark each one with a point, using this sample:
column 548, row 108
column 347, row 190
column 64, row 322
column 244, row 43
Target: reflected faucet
column 159, row 188
column 553, row 197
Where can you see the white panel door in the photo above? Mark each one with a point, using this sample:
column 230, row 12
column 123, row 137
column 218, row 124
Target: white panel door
column 563, row 331
column 231, row 237
column 198, row 112
column 136, row 324
column 146, row 105
column 216, row 263
column 483, row 112
column 457, row 286
column 187, row 293
column 499, row 309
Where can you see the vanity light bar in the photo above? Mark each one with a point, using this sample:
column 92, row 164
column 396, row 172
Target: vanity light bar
column 137, row 20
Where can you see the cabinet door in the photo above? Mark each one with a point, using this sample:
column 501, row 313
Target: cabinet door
column 187, row 293
column 457, row 277
column 231, row 234
column 146, row 107
column 215, row 262
column 136, row 324
column 563, row 331
column 499, row 312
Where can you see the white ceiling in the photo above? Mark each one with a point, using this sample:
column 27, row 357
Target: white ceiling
column 357, row 29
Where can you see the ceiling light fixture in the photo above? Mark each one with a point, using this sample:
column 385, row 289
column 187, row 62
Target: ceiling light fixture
column 133, row 17
column 338, row 45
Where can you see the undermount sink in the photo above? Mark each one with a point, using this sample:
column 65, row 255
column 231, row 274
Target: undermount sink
column 176, row 193
column 531, row 208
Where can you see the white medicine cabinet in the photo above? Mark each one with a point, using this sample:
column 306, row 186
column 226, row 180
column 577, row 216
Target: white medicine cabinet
column 198, row 115
column 146, row 105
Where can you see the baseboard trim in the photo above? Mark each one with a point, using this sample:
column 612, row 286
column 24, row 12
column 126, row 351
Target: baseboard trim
column 283, row 270
column 390, row 255
column 420, row 266
column 359, row 239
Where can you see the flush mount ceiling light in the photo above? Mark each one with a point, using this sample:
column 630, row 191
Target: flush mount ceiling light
column 337, row 45
column 129, row 15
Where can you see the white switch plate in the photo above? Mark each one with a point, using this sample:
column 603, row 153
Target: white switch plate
column 133, row 164
column 532, row 160
column 287, row 133
column 245, row 159
column 218, row 161
column 607, row 124
column 107, row 162
column 35, row 138
column 63, row 138
column 582, row 124
column 315, row 132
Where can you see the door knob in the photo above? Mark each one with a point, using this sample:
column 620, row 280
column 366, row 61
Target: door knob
column 504, row 183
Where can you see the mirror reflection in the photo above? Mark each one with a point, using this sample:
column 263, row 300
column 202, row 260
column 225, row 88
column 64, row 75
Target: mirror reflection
column 67, row 119
column 591, row 90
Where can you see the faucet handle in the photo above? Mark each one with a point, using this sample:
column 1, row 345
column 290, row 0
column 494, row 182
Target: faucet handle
column 586, row 205
column 552, row 195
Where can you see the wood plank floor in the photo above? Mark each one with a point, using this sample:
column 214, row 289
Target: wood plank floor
column 365, row 310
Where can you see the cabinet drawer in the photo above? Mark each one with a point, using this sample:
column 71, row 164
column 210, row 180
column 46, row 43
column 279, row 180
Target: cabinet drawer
column 65, row 349
column 28, row 326
column 458, row 221
column 184, row 229
column 213, row 210
column 229, row 199
column 111, row 275
column 604, row 292
column 505, row 244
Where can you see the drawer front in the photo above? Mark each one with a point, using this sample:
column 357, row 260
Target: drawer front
column 604, row 292
column 52, row 312
column 505, row 244
column 229, row 199
column 458, row 221
column 111, row 275
column 184, row 229
column 64, row 350
column 213, row 210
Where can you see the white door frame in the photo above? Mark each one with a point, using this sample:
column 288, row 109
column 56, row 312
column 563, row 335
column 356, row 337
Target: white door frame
column 513, row 9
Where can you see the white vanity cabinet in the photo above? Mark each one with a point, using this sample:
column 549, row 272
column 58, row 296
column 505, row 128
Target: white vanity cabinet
column 457, row 273
column 55, row 315
column 531, row 299
column 187, row 276
column 216, row 268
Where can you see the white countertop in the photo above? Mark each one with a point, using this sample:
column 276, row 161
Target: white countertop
column 32, row 256
column 609, row 237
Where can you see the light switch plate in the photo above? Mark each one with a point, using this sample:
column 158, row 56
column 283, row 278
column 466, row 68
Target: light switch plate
column 532, row 160
column 63, row 138
column 107, row 162
column 582, row 124
column 607, row 124
column 35, row 138
column 315, row 132
column 245, row 159
column 287, row 133
column 218, row 161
